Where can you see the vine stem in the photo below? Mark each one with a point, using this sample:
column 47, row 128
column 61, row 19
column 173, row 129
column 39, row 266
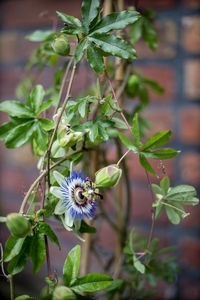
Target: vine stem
column 12, row 288
column 38, row 179
column 116, row 100
column 123, row 157
column 58, row 121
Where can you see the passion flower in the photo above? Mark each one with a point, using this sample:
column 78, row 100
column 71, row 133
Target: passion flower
column 77, row 196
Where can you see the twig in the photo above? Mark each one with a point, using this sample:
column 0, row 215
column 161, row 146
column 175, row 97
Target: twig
column 12, row 288
column 123, row 157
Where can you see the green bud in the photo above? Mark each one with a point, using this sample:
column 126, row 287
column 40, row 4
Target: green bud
column 132, row 86
column 61, row 45
column 63, row 293
column 18, row 225
column 108, row 176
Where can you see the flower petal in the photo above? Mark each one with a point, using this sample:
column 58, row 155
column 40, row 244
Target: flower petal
column 59, row 178
column 60, row 208
column 55, row 190
column 68, row 219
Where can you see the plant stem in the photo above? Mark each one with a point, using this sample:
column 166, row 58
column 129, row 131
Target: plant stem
column 123, row 157
column 12, row 288
column 58, row 120
column 63, row 83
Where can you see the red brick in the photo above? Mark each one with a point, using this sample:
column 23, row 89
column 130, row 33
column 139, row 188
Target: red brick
column 189, row 252
column 167, row 39
column 160, row 120
column 191, row 3
column 28, row 13
column 191, row 33
column 189, row 289
column 190, row 167
column 165, row 76
column 159, row 4
column 10, row 47
column 105, row 236
column 190, row 124
column 192, row 79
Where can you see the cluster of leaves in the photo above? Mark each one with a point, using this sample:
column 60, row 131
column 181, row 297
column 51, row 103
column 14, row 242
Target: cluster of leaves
column 91, row 282
column 17, row 250
column 148, row 149
column 25, row 124
column 172, row 199
column 144, row 268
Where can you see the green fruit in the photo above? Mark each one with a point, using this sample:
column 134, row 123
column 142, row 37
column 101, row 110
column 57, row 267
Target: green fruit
column 18, row 225
column 132, row 86
column 61, row 45
column 63, row 293
column 108, row 176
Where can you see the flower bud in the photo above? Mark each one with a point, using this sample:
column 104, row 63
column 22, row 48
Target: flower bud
column 108, row 176
column 18, row 225
column 63, row 293
column 61, row 45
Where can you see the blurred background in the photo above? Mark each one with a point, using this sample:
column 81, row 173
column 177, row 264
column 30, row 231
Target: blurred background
column 176, row 66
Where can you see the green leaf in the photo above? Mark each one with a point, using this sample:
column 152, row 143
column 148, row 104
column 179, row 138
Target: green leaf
column 127, row 142
column 138, row 265
column 36, row 98
column 18, row 263
column 13, row 247
column 165, row 153
column 116, row 284
column 95, row 58
column 93, row 133
column 46, row 124
column 79, row 52
column 38, row 35
column 157, row 140
column 113, row 45
column 155, row 86
column 69, row 19
column 157, row 189
column 159, row 211
column 82, row 108
column 119, row 123
column 115, row 21
column 143, row 94
column 44, row 106
column 92, row 282
column 103, row 133
column 37, row 251
column 5, row 129
column 40, row 137
column 172, row 215
column 105, row 107
column 136, row 30
column 89, row 12
column 145, row 164
column 185, row 194
column 71, row 266
column 46, row 229
column 16, row 109
column 85, row 228
column 20, row 135
column 149, row 34
column 136, row 131
column 165, row 184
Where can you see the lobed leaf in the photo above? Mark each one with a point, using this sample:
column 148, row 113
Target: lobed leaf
column 16, row 109
column 46, row 229
column 39, row 35
column 37, row 252
column 13, row 247
column 89, row 12
column 113, row 45
column 36, row 98
column 115, row 21
column 128, row 143
column 157, row 140
column 69, row 19
column 95, row 58
column 20, row 135
column 165, row 153
column 145, row 164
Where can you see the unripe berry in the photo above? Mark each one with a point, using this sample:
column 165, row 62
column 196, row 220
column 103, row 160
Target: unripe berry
column 61, row 45
column 18, row 225
column 108, row 176
column 63, row 293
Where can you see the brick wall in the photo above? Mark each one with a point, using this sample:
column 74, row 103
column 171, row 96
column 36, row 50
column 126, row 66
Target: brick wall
column 175, row 65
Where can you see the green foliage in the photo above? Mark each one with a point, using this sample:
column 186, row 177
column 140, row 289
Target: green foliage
column 173, row 199
column 71, row 266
